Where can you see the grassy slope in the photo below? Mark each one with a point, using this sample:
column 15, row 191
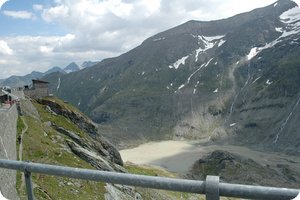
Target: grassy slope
column 43, row 144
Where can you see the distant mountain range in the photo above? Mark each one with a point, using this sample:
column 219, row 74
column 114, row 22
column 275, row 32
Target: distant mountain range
column 19, row 81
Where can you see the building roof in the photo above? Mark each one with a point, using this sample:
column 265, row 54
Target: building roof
column 39, row 81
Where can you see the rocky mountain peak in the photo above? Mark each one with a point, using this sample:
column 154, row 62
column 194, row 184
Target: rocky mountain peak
column 72, row 67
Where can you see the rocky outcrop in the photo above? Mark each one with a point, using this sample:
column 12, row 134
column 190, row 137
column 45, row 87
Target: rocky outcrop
column 99, row 153
column 233, row 168
column 121, row 192
column 73, row 136
column 8, row 124
column 107, row 149
column 77, row 118
column 93, row 158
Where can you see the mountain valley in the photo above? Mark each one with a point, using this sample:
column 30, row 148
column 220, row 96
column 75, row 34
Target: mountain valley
column 203, row 98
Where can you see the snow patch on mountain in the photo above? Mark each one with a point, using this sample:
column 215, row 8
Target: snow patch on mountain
column 189, row 78
column 293, row 27
column 158, row 39
column 290, row 16
column 292, row 19
column 268, row 82
column 179, row 62
column 58, row 85
column 72, row 67
column 253, row 52
column 233, row 124
column 279, row 29
column 180, row 87
column 209, row 42
column 255, row 80
column 86, row 64
column 221, row 43
column 203, row 65
column 213, row 38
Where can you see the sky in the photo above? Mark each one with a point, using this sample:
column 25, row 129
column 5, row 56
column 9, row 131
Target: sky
column 40, row 34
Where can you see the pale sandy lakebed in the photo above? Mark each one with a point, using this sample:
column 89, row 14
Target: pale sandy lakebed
column 179, row 156
column 175, row 156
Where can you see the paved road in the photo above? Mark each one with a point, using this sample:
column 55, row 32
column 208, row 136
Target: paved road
column 8, row 129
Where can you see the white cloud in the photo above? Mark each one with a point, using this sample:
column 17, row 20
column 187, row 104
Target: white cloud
column 46, row 49
column 101, row 29
column 37, row 7
column 5, row 49
column 3, row 62
column 57, row 12
column 19, row 14
column 118, row 25
column 2, row 2
column 40, row 53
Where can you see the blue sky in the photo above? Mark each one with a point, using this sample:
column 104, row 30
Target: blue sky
column 26, row 26
column 40, row 34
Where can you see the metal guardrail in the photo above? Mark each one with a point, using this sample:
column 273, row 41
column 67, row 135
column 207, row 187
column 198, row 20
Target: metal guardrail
column 211, row 187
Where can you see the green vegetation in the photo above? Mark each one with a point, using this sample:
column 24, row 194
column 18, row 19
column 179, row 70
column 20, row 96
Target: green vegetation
column 148, row 170
column 157, row 194
column 20, row 126
column 42, row 144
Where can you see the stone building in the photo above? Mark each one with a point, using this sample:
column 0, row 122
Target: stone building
column 39, row 89
column 3, row 97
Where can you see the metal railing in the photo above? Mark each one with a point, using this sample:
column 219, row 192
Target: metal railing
column 211, row 187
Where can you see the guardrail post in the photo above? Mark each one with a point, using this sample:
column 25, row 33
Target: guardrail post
column 28, row 182
column 212, row 188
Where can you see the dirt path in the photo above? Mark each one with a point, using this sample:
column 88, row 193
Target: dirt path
column 21, row 144
column 21, row 151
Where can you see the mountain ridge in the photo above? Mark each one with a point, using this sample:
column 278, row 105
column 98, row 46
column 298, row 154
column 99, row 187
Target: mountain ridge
column 20, row 81
column 184, row 83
